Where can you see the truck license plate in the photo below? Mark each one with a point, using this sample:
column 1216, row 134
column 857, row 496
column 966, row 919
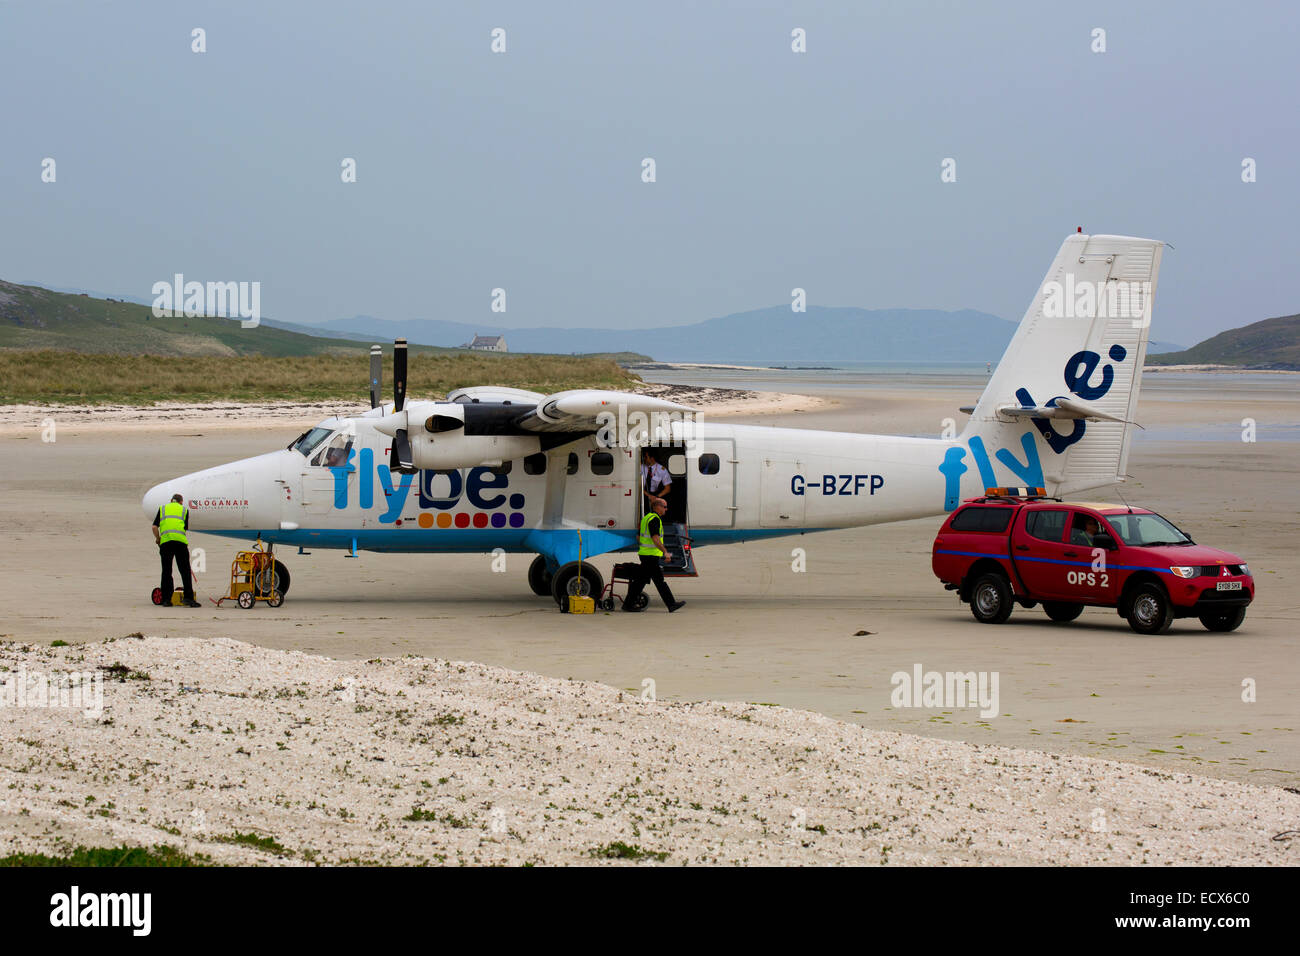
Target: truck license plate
column 1228, row 586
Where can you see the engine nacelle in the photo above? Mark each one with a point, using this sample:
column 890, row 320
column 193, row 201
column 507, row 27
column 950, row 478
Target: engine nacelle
column 439, row 452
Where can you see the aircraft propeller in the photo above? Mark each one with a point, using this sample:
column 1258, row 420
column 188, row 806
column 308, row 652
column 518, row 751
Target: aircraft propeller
column 376, row 374
column 400, row 455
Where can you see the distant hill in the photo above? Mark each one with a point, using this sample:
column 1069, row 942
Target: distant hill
column 1270, row 344
column 776, row 334
column 35, row 318
column 822, row 335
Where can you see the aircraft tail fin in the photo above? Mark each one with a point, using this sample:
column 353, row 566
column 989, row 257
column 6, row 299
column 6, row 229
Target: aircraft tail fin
column 1058, row 411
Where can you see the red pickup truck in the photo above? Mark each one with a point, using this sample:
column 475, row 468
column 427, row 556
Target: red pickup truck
column 1004, row 549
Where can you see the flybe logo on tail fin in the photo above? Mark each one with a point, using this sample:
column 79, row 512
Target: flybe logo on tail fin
column 1082, row 379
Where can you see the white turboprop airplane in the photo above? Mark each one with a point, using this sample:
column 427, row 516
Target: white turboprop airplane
column 500, row 468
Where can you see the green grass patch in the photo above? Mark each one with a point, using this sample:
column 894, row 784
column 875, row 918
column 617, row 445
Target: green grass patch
column 75, row 378
column 618, row 850
column 158, row 855
column 266, row 844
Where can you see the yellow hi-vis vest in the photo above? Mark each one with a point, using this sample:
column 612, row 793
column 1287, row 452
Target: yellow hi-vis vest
column 171, row 522
column 645, row 540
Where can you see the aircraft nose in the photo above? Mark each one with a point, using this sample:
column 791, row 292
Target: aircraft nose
column 156, row 497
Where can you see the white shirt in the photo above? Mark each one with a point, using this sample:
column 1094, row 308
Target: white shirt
column 658, row 478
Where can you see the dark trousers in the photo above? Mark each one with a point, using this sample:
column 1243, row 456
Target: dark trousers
column 650, row 571
column 180, row 552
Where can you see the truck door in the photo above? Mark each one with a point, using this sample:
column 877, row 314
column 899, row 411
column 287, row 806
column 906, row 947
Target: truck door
column 1089, row 580
column 1038, row 548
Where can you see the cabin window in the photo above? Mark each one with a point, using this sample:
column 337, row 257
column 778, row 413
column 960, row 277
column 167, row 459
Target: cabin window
column 677, row 465
column 710, row 464
column 572, row 468
column 308, row 440
column 975, row 518
column 335, row 454
column 602, row 463
column 1047, row 525
column 535, row 464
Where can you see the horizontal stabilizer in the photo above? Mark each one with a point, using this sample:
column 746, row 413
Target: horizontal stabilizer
column 1064, row 408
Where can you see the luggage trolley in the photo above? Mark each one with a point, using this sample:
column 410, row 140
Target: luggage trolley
column 251, row 579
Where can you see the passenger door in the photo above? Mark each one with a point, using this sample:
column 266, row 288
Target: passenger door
column 779, row 505
column 323, row 481
column 712, row 481
column 1038, row 548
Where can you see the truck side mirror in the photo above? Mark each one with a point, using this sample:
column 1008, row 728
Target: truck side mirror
column 1103, row 540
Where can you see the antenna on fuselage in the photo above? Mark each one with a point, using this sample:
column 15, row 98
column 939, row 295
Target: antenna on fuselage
column 376, row 375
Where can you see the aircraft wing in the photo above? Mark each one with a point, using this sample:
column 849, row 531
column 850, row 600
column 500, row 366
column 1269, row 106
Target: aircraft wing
column 582, row 410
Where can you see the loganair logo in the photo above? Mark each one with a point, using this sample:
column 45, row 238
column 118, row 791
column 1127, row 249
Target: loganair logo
column 451, row 494
column 1079, row 374
column 217, row 503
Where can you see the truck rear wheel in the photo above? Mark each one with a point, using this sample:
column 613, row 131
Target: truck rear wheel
column 1062, row 612
column 1223, row 621
column 1149, row 610
column 990, row 598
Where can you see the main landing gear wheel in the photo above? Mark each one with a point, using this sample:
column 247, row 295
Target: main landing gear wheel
column 990, row 598
column 570, row 582
column 539, row 579
column 1061, row 612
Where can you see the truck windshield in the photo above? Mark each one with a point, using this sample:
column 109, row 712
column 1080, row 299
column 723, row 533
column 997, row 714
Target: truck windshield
column 308, row 440
column 1146, row 531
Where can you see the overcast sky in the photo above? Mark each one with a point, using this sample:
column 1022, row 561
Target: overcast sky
column 523, row 170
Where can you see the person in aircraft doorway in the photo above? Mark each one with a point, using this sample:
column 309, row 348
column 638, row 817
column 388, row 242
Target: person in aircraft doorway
column 169, row 527
column 655, row 480
column 651, row 552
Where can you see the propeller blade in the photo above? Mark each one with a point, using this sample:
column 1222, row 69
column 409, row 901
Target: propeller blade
column 399, row 375
column 399, row 459
column 376, row 374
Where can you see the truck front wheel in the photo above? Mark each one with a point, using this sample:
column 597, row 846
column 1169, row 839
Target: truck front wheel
column 1149, row 610
column 990, row 598
column 1062, row 612
column 1223, row 621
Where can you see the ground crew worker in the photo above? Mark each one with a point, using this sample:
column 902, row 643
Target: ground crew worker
column 169, row 527
column 651, row 551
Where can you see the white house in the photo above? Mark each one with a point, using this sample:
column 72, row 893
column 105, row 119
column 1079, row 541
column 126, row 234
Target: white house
column 489, row 343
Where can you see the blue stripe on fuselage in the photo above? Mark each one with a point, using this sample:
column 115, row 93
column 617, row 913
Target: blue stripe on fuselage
column 475, row 540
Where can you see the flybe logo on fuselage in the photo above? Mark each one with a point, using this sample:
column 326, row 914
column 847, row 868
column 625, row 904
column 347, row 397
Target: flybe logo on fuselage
column 1078, row 373
column 481, row 489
